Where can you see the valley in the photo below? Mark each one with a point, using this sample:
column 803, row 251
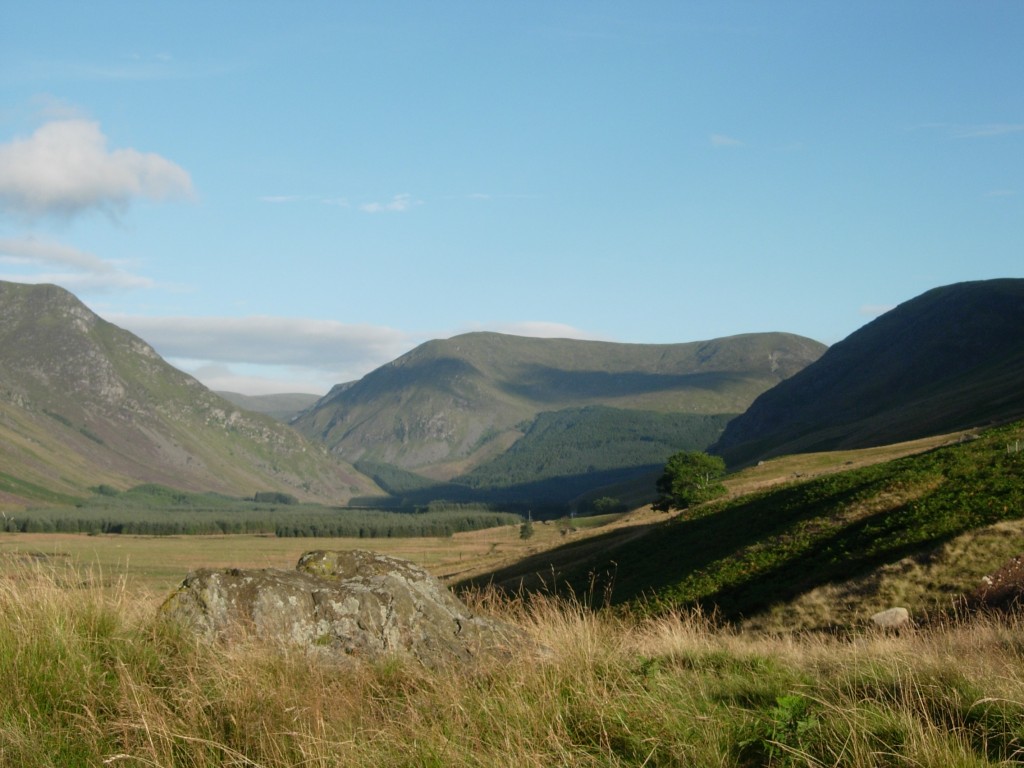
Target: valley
column 736, row 632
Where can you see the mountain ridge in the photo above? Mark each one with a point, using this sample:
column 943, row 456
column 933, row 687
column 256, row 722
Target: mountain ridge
column 451, row 405
column 83, row 402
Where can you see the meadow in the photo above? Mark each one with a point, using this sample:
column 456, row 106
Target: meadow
column 92, row 677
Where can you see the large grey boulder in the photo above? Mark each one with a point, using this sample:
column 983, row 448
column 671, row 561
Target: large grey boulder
column 352, row 604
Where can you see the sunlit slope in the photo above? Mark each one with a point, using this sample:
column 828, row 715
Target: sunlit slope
column 83, row 402
column 759, row 553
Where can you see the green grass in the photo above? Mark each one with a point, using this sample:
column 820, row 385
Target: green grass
column 25, row 489
column 748, row 555
column 91, row 677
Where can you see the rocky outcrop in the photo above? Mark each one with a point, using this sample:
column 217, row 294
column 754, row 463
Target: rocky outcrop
column 355, row 604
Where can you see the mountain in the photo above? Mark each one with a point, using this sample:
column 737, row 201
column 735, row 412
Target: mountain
column 283, row 407
column 83, row 403
column 949, row 359
column 449, row 408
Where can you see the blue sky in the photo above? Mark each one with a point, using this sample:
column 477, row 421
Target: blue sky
column 283, row 196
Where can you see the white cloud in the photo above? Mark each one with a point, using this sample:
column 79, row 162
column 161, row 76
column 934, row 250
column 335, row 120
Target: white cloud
column 92, row 274
column 256, row 380
column 721, row 140
column 398, row 204
column 286, row 349
column 79, row 283
column 33, row 250
column 540, row 329
column 65, row 168
column 266, row 355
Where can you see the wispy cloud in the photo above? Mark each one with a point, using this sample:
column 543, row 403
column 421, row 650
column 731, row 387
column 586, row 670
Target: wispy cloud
column 398, row 204
column 65, row 169
column 264, row 354
column 874, row 310
column 90, row 273
column 972, row 131
column 137, row 67
column 83, row 282
column 987, row 130
column 539, row 329
column 322, row 350
column 720, row 140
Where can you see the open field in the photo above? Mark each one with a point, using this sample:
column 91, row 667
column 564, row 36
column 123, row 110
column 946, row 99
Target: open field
column 156, row 564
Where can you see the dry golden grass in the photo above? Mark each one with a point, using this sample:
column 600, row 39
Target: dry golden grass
column 808, row 465
column 158, row 563
column 91, row 678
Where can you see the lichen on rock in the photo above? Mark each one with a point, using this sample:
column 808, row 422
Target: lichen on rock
column 355, row 604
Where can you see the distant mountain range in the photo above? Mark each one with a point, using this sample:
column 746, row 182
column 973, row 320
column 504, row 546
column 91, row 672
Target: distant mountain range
column 491, row 417
column 84, row 403
column 483, row 413
column 950, row 359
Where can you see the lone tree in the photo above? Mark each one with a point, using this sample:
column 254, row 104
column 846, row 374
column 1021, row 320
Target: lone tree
column 526, row 529
column 690, row 477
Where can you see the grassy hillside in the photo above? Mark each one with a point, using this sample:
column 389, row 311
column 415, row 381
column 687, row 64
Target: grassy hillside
column 84, row 403
column 952, row 358
column 452, row 405
column 749, row 555
column 579, row 440
column 565, row 460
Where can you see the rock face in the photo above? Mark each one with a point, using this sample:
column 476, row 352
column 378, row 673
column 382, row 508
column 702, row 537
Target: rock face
column 350, row 604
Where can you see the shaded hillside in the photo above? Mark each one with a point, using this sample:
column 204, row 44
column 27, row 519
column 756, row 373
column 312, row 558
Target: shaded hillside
column 750, row 555
column 596, row 438
column 83, row 402
column 283, row 407
column 449, row 406
column 951, row 358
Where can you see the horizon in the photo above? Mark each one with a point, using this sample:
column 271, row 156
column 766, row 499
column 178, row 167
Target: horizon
column 279, row 202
